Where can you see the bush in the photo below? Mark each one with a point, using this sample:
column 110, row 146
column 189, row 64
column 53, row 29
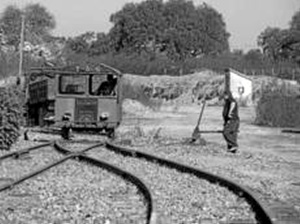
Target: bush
column 278, row 107
column 10, row 115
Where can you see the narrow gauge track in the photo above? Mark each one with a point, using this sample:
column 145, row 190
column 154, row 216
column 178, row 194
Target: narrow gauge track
column 151, row 213
column 17, row 154
column 26, row 158
column 263, row 214
column 79, row 155
column 43, row 168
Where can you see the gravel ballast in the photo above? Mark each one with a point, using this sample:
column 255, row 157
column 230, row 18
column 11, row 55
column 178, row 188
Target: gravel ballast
column 181, row 197
column 73, row 192
column 26, row 163
column 271, row 177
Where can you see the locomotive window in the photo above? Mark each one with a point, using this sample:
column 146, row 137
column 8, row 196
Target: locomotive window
column 103, row 85
column 72, row 84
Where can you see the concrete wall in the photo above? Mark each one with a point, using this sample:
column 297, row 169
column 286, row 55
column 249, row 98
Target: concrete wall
column 240, row 86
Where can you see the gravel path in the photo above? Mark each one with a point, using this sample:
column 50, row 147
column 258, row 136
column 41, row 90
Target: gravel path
column 182, row 198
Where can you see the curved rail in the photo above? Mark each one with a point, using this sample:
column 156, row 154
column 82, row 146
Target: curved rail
column 151, row 211
column 263, row 213
column 46, row 167
column 17, row 154
column 293, row 131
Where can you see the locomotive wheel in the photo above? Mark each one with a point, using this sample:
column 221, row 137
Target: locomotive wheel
column 66, row 133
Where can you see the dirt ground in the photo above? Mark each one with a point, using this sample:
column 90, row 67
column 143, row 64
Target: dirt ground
column 180, row 123
column 268, row 161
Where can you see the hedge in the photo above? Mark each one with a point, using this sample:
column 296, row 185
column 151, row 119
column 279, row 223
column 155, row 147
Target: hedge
column 10, row 115
column 276, row 110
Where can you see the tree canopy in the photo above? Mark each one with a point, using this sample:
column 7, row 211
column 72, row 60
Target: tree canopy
column 177, row 27
column 90, row 43
column 38, row 23
column 279, row 43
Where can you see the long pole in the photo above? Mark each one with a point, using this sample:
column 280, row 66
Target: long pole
column 21, row 46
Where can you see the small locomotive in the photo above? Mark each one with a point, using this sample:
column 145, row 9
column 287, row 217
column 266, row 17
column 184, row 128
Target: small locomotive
column 78, row 98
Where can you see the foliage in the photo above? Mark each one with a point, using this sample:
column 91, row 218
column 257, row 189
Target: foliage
column 38, row 20
column 37, row 31
column 101, row 45
column 38, row 23
column 11, row 99
column 176, row 38
column 10, row 25
column 295, row 22
column 277, row 107
column 279, row 43
column 252, row 63
column 278, row 104
column 176, row 28
column 81, row 43
column 8, row 64
column 270, row 40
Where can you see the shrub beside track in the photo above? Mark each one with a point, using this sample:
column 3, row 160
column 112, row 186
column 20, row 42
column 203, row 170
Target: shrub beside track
column 10, row 115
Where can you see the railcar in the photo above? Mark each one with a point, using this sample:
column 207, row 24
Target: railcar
column 79, row 98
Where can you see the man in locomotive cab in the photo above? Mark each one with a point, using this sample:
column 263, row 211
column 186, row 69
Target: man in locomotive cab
column 107, row 88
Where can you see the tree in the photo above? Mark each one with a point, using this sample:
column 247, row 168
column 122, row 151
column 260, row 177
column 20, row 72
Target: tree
column 295, row 22
column 270, row 42
column 81, row 43
column 213, row 28
column 10, row 24
column 137, row 26
column 254, row 58
column 177, row 28
column 38, row 23
column 279, row 43
column 38, row 20
column 293, row 44
column 101, row 45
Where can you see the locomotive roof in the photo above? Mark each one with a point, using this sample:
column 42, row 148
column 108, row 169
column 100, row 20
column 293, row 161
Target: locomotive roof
column 100, row 69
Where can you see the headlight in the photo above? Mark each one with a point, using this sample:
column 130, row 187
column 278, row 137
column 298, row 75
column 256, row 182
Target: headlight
column 104, row 116
column 67, row 116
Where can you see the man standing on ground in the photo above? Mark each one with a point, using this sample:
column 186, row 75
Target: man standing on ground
column 231, row 122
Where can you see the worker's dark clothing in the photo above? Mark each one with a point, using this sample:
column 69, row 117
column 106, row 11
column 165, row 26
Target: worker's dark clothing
column 107, row 88
column 231, row 122
column 230, row 133
column 234, row 115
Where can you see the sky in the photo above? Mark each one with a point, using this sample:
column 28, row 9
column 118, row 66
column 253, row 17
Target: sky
column 245, row 19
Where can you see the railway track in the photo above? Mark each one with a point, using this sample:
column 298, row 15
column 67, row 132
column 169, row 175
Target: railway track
column 79, row 156
column 17, row 154
column 262, row 214
column 92, row 154
column 151, row 213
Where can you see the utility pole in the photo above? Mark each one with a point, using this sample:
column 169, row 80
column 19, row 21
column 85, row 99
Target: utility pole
column 21, row 45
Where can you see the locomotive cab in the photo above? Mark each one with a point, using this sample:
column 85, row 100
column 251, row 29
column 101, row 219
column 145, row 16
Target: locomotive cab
column 83, row 100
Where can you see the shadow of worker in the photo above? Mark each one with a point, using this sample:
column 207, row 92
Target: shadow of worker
column 107, row 88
